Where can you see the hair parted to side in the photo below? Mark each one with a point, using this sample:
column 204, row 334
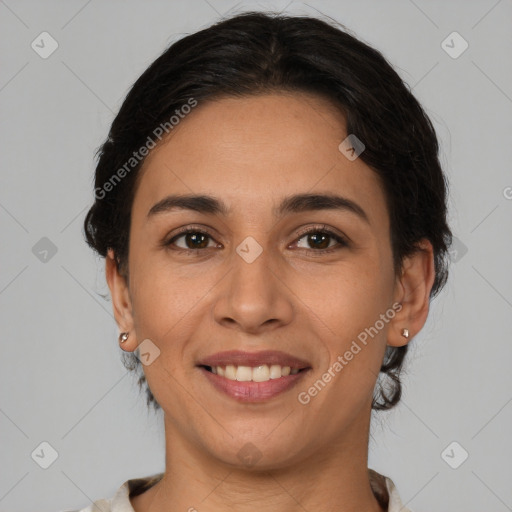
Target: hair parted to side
column 256, row 53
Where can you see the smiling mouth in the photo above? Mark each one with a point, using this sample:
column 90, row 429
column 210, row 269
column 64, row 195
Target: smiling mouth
column 261, row 373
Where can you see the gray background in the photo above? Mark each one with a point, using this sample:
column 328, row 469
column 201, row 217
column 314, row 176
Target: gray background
column 62, row 378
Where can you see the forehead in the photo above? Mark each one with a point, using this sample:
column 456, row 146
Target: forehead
column 254, row 150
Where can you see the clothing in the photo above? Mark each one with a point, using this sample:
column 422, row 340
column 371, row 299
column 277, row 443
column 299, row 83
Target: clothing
column 383, row 488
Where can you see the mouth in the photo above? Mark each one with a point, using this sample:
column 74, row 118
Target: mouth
column 261, row 373
column 253, row 377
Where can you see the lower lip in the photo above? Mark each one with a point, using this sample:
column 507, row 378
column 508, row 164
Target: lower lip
column 253, row 391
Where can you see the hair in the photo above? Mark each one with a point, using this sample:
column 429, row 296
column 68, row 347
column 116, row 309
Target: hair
column 256, row 53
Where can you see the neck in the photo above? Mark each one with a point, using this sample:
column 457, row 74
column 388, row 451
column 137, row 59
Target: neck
column 334, row 478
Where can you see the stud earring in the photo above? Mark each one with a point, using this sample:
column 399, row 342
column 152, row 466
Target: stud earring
column 123, row 337
column 405, row 333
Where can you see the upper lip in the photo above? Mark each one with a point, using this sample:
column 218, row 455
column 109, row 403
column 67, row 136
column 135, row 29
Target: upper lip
column 241, row 358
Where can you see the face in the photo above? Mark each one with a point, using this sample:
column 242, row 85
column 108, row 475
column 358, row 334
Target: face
column 283, row 283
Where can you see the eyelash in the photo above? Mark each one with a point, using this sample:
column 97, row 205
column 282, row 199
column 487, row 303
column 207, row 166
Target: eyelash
column 342, row 242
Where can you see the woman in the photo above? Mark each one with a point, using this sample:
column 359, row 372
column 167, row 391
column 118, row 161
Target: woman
column 272, row 212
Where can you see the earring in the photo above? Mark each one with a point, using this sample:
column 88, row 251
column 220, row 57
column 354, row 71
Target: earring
column 123, row 337
column 405, row 333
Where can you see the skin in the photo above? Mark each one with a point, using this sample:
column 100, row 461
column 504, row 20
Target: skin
column 252, row 152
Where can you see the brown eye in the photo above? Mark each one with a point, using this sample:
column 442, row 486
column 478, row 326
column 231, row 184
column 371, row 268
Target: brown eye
column 193, row 239
column 319, row 241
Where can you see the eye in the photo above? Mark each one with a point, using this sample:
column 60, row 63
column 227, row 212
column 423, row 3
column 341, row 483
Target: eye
column 319, row 238
column 194, row 239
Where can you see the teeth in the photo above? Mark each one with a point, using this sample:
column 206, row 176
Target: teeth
column 257, row 374
column 275, row 371
column 244, row 373
column 230, row 372
column 261, row 373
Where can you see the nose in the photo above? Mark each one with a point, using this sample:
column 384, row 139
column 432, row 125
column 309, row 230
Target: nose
column 254, row 297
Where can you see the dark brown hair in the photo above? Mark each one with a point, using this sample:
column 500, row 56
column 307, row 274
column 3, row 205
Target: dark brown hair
column 256, row 53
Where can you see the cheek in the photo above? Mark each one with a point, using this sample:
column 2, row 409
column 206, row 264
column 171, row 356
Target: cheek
column 163, row 301
column 167, row 309
column 353, row 341
column 163, row 293
column 354, row 307
column 350, row 297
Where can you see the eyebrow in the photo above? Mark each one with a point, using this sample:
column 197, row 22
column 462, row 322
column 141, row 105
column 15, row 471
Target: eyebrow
column 293, row 204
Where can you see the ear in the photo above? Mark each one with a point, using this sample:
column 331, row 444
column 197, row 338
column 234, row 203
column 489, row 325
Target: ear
column 121, row 301
column 412, row 290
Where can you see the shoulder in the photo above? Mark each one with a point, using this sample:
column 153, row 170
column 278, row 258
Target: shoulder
column 386, row 492
column 103, row 505
column 120, row 502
